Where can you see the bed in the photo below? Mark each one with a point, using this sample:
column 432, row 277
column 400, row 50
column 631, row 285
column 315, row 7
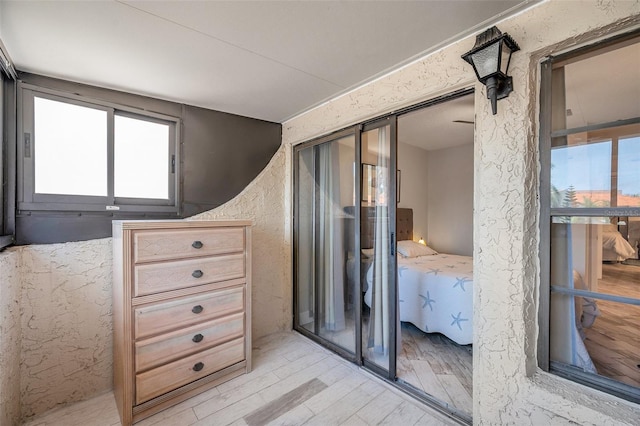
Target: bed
column 435, row 290
column 615, row 248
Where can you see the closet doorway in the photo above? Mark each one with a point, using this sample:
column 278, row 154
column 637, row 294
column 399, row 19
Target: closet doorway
column 379, row 278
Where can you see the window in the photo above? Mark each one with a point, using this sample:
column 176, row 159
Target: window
column 84, row 155
column 7, row 136
column 590, row 216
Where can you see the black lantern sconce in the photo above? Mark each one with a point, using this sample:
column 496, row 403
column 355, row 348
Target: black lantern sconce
column 490, row 58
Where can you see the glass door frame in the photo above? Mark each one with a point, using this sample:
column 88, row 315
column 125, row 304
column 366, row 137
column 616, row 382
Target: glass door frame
column 390, row 120
column 315, row 335
column 357, row 357
column 391, row 375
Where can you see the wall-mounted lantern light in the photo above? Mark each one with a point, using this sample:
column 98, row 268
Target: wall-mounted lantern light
column 490, row 58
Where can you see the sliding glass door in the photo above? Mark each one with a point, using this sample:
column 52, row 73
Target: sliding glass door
column 377, row 244
column 344, row 244
column 324, row 241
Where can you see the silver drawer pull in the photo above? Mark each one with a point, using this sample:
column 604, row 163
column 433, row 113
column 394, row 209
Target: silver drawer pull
column 197, row 309
column 197, row 273
column 198, row 338
column 199, row 366
column 197, row 244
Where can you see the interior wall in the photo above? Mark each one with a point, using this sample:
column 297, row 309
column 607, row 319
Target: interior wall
column 508, row 385
column 414, row 191
column 10, row 336
column 450, row 209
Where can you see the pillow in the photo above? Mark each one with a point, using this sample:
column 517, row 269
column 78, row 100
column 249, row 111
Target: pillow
column 408, row 248
column 367, row 253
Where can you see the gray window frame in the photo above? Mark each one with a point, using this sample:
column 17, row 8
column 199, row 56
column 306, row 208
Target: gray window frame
column 8, row 78
column 547, row 213
column 29, row 200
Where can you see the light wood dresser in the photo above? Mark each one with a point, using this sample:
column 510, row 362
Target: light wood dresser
column 181, row 310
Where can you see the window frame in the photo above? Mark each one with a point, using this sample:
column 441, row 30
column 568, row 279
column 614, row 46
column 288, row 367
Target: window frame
column 547, row 213
column 8, row 78
column 29, row 200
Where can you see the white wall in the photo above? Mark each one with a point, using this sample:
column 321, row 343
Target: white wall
column 508, row 386
column 414, row 193
column 450, row 209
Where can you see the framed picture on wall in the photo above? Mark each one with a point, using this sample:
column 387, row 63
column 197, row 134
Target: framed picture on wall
column 369, row 187
column 368, row 193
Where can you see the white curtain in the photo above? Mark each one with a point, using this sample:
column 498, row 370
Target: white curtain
column 329, row 252
column 379, row 325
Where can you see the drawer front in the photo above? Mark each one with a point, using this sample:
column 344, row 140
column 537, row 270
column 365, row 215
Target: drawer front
column 158, row 277
column 159, row 350
column 151, row 246
column 162, row 317
column 178, row 373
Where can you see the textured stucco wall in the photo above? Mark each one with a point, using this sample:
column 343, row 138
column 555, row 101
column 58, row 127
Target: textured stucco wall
column 10, row 336
column 263, row 202
column 66, row 323
column 66, row 297
column 65, row 293
column 508, row 387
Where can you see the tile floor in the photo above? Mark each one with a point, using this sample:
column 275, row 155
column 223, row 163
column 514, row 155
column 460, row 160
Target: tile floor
column 294, row 381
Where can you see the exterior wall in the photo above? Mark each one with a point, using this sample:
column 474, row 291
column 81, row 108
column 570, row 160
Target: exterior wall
column 66, row 303
column 10, row 336
column 65, row 294
column 66, row 288
column 508, row 386
column 263, row 202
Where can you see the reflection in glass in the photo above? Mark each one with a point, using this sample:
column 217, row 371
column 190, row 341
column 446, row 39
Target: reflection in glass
column 599, row 168
column 590, row 95
column 325, row 240
column 629, row 172
column 304, row 240
column 377, row 323
column 596, row 335
column 581, row 175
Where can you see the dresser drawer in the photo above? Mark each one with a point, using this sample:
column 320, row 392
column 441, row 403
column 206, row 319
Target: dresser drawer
column 150, row 246
column 162, row 317
column 153, row 278
column 178, row 373
column 161, row 349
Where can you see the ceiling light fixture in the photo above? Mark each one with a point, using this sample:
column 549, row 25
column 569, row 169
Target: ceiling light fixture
column 490, row 58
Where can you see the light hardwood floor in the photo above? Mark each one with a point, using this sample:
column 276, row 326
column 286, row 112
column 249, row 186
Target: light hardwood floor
column 613, row 341
column 294, row 382
column 438, row 366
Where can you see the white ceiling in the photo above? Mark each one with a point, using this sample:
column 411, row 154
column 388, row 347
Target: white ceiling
column 264, row 59
column 443, row 125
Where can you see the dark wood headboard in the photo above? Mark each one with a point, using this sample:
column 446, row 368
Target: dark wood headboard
column 404, row 225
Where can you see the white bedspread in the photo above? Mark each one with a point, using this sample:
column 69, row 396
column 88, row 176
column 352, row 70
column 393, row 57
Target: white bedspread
column 436, row 294
column 614, row 242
